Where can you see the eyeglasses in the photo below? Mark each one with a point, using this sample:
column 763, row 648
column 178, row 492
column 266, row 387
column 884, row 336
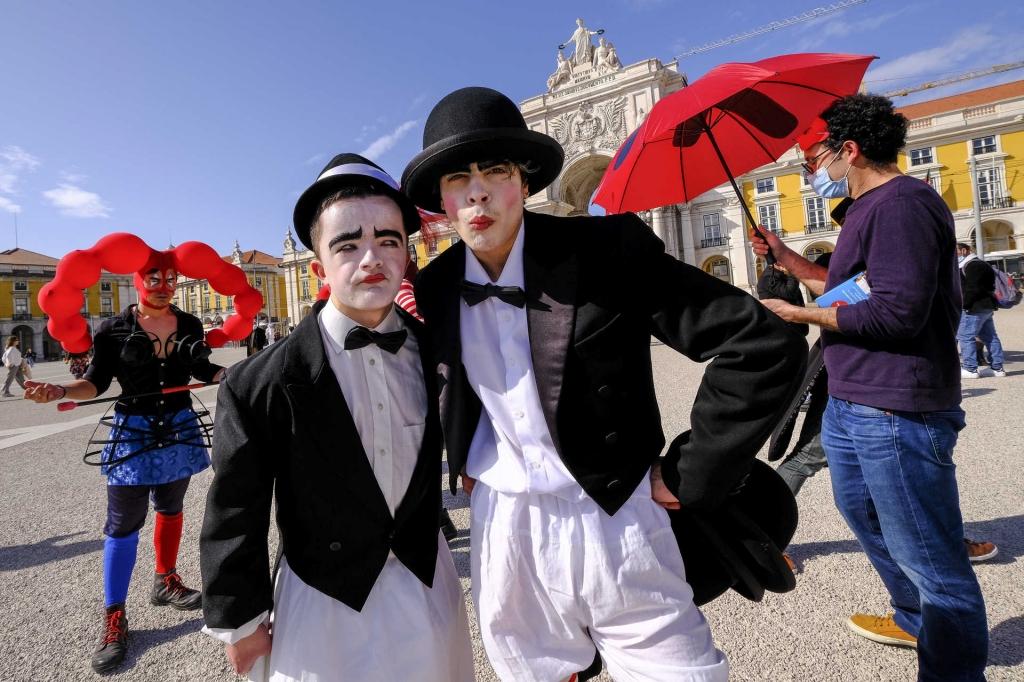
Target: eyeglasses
column 808, row 168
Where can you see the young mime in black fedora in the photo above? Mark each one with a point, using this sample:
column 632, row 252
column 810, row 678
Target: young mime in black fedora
column 541, row 328
column 338, row 424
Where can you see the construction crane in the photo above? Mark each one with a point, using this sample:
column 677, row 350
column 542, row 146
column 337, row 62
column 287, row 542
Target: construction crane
column 998, row 68
column 773, row 26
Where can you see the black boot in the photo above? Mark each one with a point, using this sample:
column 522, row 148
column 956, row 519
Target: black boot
column 113, row 644
column 168, row 590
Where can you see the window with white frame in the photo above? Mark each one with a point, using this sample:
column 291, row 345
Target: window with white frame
column 712, row 226
column 106, row 306
column 817, row 217
column 259, row 282
column 105, row 287
column 989, row 188
column 305, row 288
column 919, row 157
column 768, row 215
column 216, row 302
column 21, row 306
column 21, row 286
column 983, row 145
column 765, row 185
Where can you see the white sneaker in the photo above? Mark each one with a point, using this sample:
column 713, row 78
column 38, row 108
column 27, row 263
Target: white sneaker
column 967, row 374
column 999, row 373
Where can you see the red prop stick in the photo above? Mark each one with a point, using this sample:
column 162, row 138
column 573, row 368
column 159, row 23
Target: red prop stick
column 72, row 404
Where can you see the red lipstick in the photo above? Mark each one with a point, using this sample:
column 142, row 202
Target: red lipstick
column 373, row 279
column 481, row 222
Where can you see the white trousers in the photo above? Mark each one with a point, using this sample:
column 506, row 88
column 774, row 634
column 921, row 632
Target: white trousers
column 553, row 579
column 405, row 631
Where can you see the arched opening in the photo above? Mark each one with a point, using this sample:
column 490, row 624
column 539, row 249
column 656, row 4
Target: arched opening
column 26, row 337
column 52, row 349
column 579, row 182
column 818, row 248
column 998, row 236
column 718, row 266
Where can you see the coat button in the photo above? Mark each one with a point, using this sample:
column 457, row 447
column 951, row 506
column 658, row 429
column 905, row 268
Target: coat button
column 605, row 391
column 391, row 536
column 614, row 484
column 335, row 546
column 612, row 438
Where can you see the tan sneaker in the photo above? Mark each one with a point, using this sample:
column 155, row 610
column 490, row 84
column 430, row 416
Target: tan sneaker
column 881, row 629
column 980, row 551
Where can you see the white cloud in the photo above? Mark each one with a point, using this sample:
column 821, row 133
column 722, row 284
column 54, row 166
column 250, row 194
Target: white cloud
column 315, row 159
column 386, row 142
column 949, row 56
column 73, row 178
column 826, row 30
column 76, row 202
column 13, row 162
column 9, row 206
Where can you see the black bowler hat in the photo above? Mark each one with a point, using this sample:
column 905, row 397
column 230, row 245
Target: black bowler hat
column 739, row 544
column 472, row 125
column 344, row 170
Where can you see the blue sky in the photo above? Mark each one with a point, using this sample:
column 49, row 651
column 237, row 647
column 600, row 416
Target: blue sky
column 205, row 121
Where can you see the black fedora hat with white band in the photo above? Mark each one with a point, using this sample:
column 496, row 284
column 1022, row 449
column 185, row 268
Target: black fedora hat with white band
column 472, row 125
column 345, row 170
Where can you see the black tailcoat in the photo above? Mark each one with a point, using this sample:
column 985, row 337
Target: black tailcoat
column 600, row 288
column 284, row 431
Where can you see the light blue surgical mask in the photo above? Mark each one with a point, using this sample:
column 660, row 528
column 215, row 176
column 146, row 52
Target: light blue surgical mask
column 828, row 188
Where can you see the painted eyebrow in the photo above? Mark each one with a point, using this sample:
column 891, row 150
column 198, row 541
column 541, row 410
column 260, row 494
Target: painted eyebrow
column 346, row 237
column 358, row 234
column 380, row 234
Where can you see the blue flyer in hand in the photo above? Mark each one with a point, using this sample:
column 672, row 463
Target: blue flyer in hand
column 853, row 290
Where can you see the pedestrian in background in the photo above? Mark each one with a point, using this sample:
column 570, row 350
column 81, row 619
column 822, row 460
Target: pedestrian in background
column 13, row 362
column 978, row 281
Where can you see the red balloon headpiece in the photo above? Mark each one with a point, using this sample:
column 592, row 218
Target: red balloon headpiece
column 122, row 253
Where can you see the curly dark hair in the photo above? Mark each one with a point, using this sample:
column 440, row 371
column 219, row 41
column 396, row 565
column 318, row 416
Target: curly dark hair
column 872, row 122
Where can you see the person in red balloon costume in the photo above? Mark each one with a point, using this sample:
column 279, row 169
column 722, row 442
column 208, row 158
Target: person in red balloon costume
column 156, row 442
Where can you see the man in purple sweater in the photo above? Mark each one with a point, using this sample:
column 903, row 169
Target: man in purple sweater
column 894, row 384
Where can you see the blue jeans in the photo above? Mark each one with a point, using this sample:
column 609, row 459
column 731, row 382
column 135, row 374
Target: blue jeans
column 894, row 482
column 982, row 326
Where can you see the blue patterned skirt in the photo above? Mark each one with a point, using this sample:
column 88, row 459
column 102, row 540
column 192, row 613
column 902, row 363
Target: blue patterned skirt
column 157, row 452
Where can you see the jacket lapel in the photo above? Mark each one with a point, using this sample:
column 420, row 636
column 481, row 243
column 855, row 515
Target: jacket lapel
column 550, row 272
column 323, row 417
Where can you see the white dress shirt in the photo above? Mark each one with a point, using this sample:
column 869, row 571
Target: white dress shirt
column 387, row 398
column 512, row 450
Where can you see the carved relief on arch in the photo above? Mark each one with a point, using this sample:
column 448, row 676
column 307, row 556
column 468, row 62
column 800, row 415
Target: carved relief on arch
column 591, row 126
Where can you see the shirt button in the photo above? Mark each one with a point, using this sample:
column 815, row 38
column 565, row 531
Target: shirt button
column 383, row 452
column 335, row 546
column 380, row 406
column 372, row 361
column 612, row 438
column 518, row 414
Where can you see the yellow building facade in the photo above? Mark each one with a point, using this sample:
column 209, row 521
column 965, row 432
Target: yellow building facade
column 23, row 273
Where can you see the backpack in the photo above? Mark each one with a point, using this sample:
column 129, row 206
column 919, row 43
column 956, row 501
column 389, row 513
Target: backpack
column 1007, row 295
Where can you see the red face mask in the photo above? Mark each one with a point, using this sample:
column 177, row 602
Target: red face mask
column 158, row 277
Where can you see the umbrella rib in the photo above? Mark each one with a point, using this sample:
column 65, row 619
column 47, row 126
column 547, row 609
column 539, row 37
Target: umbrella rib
column 771, row 157
column 799, row 85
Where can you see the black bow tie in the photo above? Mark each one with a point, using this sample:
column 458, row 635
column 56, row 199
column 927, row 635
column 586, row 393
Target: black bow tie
column 474, row 293
column 358, row 337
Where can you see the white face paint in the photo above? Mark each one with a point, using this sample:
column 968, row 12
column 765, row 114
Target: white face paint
column 362, row 255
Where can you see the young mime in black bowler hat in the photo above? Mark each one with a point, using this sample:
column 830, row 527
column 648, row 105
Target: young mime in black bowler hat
column 541, row 328
column 339, row 424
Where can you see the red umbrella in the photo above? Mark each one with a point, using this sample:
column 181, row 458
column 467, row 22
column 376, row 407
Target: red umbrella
column 732, row 120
